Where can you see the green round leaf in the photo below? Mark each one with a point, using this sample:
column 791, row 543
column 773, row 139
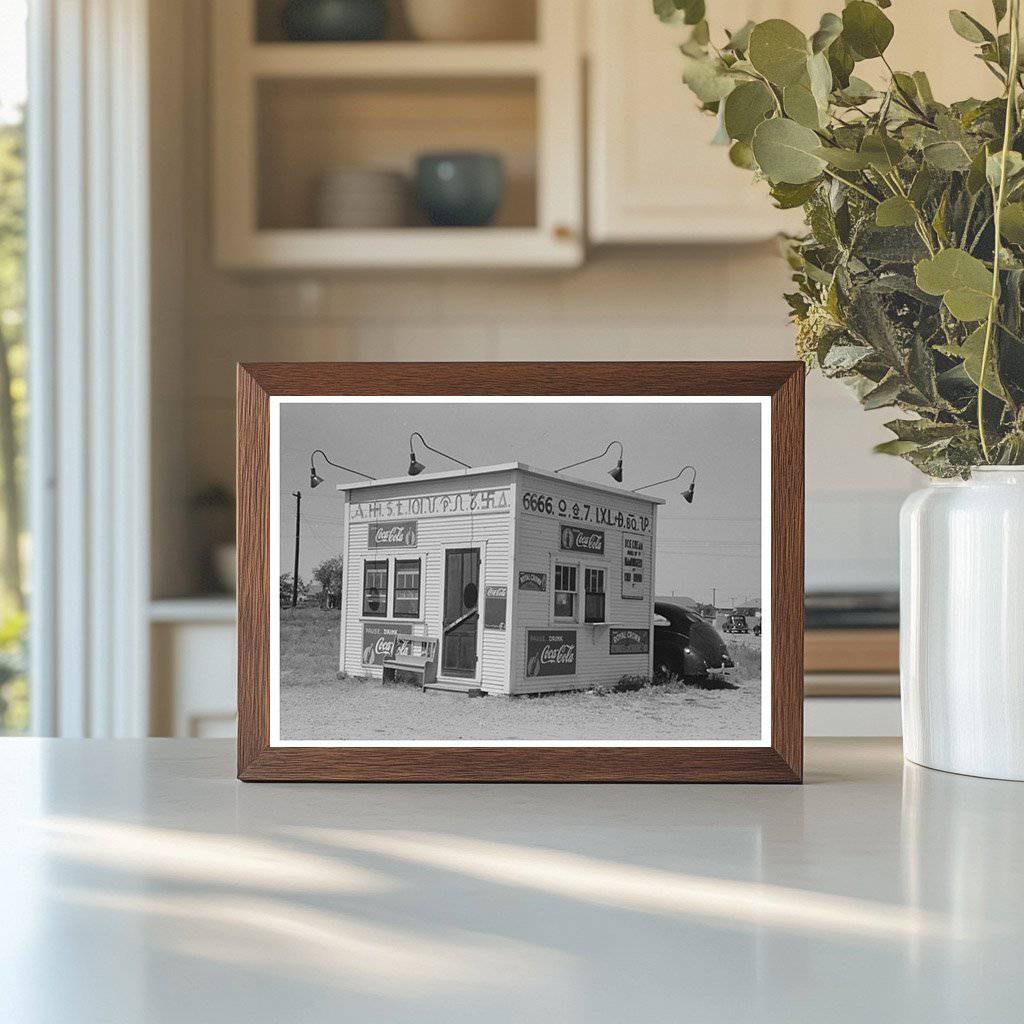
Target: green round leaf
column 801, row 106
column 866, row 29
column 707, row 79
column 745, row 108
column 969, row 28
column 1012, row 224
column 787, row 152
column 895, row 212
column 779, row 51
column 883, row 152
column 829, row 30
column 844, row 159
column 963, row 281
column 741, row 155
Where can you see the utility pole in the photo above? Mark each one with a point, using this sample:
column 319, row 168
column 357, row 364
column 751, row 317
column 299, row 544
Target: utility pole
column 295, row 577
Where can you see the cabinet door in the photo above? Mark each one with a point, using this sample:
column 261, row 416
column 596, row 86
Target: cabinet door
column 654, row 177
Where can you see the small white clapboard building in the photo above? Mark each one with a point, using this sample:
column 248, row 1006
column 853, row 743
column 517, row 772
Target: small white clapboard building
column 506, row 579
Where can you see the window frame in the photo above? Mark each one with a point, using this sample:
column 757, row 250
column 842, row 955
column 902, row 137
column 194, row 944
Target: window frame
column 588, row 593
column 555, row 591
column 396, row 561
column 376, row 563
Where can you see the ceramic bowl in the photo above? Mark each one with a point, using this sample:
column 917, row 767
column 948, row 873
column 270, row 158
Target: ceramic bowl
column 460, row 189
column 333, row 21
column 470, row 20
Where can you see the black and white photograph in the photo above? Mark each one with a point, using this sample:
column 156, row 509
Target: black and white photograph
column 522, row 571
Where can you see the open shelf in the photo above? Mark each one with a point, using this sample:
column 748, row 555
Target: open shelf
column 309, row 127
column 389, row 60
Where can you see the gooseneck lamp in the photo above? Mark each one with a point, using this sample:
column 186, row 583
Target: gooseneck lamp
column 416, row 467
column 615, row 473
column 687, row 494
column 315, row 480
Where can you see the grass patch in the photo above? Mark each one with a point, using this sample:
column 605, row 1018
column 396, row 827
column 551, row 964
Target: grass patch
column 310, row 645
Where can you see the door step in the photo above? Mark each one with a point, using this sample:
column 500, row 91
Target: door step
column 469, row 691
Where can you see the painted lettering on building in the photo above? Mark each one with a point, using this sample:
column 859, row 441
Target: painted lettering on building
column 550, row 653
column 423, row 506
column 634, row 566
column 539, row 504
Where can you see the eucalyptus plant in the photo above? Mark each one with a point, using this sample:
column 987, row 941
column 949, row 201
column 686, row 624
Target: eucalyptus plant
column 910, row 277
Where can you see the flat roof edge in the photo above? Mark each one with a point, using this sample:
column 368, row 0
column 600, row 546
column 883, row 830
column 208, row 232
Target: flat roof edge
column 504, row 467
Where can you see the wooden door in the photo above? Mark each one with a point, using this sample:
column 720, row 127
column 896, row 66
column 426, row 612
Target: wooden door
column 460, row 639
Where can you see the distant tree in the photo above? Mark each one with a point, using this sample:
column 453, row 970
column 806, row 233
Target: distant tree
column 286, row 589
column 328, row 575
column 13, row 360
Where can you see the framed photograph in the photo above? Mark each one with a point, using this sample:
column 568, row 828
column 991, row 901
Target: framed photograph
column 559, row 572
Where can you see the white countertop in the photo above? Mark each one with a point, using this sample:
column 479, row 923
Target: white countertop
column 140, row 882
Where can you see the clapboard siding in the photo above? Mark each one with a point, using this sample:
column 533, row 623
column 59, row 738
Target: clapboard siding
column 490, row 531
column 538, row 548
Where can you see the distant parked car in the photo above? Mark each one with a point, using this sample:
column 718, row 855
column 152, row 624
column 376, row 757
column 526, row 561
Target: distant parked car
column 686, row 646
column 735, row 624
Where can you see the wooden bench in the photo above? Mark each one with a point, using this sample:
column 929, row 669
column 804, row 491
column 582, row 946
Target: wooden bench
column 415, row 656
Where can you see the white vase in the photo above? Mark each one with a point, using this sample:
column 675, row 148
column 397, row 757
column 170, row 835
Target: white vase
column 962, row 624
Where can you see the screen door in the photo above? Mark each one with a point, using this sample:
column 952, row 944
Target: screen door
column 461, row 612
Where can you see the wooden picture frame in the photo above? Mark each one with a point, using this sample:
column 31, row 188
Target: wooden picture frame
column 780, row 759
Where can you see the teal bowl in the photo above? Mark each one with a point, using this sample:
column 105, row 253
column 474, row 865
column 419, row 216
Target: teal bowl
column 460, row 190
column 334, row 21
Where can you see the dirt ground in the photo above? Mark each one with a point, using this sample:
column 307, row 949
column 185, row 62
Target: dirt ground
column 315, row 705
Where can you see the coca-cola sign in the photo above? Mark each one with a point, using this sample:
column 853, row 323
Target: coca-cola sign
column 381, row 640
column 629, row 641
column 589, row 541
column 550, row 653
column 403, row 534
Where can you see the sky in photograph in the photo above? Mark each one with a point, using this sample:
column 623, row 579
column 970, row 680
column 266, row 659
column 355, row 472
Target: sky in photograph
column 715, row 542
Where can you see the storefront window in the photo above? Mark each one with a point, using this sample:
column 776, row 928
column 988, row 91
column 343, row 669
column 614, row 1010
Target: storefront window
column 407, row 588
column 565, row 591
column 593, row 584
column 375, row 588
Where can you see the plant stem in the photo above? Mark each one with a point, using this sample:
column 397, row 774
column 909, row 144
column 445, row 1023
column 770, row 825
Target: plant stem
column 1011, row 109
column 853, row 185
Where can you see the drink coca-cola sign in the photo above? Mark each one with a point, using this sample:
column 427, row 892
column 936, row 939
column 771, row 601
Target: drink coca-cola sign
column 381, row 640
column 550, row 653
column 402, row 534
column 590, row 542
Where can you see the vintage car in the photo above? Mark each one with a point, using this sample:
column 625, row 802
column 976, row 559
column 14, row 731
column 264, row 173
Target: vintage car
column 687, row 647
column 735, row 624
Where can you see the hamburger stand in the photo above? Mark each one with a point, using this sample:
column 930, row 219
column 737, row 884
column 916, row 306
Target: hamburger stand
column 503, row 579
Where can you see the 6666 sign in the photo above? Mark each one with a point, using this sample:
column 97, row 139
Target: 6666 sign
column 584, row 512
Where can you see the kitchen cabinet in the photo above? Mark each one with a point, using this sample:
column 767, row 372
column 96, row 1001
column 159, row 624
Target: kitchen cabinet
column 288, row 114
column 654, row 177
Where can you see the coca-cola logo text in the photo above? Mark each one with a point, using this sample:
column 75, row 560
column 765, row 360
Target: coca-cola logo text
column 565, row 654
column 393, row 535
column 575, row 539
